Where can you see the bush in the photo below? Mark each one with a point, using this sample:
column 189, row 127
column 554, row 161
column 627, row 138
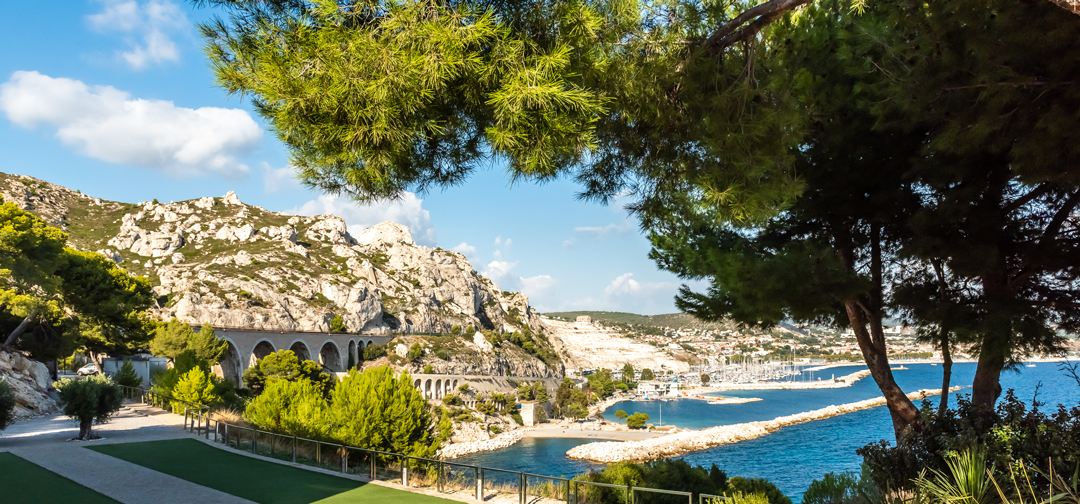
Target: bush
column 494, row 429
column 758, row 486
column 127, row 375
column 843, row 488
column 372, row 352
column 665, row 473
column 284, row 364
column 195, row 387
column 463, row 388
column 470, row 332
column 7, row 404
column 647, row 374
column 428, row 369
column 1012, row 432
column 637, row 420
column 415, row 351
column 295, row 408
column 337, row 325
column 379, row 411
column 89, row 400
column 452, row 400
column 704, row 379
column 516, row 416
column 442, row 354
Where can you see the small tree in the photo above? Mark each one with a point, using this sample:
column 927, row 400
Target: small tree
column 455, row 330
column 628, row 373
column 89, row 400
column 372, row 352
column 337, row 325
column 376, row 410
column 540, row 392
column 415, row 351
column 195, row 387
column 525, row 392
column 621, row 415
column 637, row 420
column 428, row 369
column 647, row 374
column 463, row 388
column 704, row 379
column 127, row 375
column 7, row 404
column 296, row 408
column 470, row 331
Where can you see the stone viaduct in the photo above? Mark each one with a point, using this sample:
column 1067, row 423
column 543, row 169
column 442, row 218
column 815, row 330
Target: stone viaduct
column 332, row 350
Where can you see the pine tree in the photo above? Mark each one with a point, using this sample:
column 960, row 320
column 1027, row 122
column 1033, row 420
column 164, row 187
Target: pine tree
column 196, row 387
column 378, row 411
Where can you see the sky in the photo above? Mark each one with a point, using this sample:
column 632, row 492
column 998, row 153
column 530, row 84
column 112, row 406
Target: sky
column 116, row 99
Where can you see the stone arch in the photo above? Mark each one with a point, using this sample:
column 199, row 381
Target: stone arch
column 330, row 356
column 427, row 389
column 446, row 387
column 300, row 348
column 438, row 389
column 419, row 388
column 231, row 365
column 455, row 384
column 369, row 343
column 352, row 352
column 262, row 348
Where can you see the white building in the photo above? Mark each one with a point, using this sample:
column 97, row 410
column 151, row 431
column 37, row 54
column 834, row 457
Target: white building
column 584, row 319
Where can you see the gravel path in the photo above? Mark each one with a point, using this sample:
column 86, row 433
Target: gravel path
column 44, row 441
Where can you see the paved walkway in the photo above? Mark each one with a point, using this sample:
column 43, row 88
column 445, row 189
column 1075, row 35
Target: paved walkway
column 44, row 441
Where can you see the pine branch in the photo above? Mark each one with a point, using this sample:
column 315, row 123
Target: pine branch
column 754, row 18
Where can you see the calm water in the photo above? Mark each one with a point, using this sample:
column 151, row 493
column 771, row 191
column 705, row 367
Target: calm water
column 793, row 456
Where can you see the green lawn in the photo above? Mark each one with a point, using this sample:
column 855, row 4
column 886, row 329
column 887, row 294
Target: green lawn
column 28, row 482
column 253, row 479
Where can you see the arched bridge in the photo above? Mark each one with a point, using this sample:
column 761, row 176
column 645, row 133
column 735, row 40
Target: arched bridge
column 332, row 350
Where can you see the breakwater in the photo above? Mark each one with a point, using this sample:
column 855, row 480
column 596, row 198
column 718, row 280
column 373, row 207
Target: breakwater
column 686, row 442
column 503, row 440
column 840, row 382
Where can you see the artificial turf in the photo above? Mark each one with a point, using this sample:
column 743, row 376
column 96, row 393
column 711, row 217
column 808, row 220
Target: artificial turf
column 256, row 480
column 25, row 481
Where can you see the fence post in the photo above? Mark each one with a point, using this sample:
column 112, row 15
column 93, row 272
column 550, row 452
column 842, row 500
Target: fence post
column 439, row 478
column 372, row 457
column 227, row 435
column 185, row 418
column 404, row 472
column 479, row 483
column 344, row 459
column 294, row 449
column 567, row 491
column 254, row 439
column 521, row 488
column 318, row 454
column 630, row 493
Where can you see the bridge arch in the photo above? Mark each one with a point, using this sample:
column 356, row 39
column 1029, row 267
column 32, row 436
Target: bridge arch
column 427, row 389
column 231, row 365
column 352, row 353
column 330, row 356
column 300, row 348
column 438, row 389
column 261, row 349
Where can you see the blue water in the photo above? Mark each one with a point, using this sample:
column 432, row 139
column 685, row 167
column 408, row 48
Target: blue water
column 793, row 456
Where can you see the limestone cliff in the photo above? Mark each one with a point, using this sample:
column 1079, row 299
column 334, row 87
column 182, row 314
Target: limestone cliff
column 222, row 262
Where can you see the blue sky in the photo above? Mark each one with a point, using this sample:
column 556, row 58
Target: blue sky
column 115, row 98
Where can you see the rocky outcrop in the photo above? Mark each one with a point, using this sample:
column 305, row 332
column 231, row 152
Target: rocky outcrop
column 222, row 262
column 499, row 442
column 29, row 380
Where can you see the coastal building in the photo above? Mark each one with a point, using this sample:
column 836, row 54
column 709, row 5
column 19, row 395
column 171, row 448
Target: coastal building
column 656, row 388
column 584, row 319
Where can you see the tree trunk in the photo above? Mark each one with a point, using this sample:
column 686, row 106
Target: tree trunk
column 995, row 348
column 946, row 376
column 903, row 411
column 86, row 429
column 14, row 336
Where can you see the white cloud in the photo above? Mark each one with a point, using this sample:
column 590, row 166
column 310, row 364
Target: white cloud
column 624, row 293
column 568, row 243
column 499, row 271
column 146, row 29
column 508, row 242
column 537, row 285
column 602, row 231
column 105, row 123
column 497, row 254
column 466, row 250
column 407, row 211
column 498, row 240
column 277, row 179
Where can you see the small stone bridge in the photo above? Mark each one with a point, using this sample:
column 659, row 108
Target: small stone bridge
column 331, row 350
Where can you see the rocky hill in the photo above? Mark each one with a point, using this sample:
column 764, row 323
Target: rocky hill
column 222, row 262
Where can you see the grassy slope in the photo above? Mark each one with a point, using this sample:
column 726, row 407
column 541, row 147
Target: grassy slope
column 28, row 482
column 253, row 479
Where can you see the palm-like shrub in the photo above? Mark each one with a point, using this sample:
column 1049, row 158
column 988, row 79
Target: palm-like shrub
column 89, row 400
column 7, row 404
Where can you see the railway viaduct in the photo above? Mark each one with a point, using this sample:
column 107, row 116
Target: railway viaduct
column 331, row 350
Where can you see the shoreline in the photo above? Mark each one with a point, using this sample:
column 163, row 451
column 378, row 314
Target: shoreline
column 685, row 442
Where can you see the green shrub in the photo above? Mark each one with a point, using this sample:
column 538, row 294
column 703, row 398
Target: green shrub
column 372, row 352
column 195, row 387
column 470, row 332
column 442, row 354
column 7, row 404
column 637, row 420
column 517, row 418
column 455, row 330
column 453, row 400
column 415, row 352
column 284, row 364
column 742, row 498
column 758, row 486
column 647, row 374
column 494, row 429
column 463, row 388
column 89, row 400
column 337, row 325
column 296, row 408
column 127, row 376
column 428, row 369
column 667, row 473
column 844, row 488
column 379, row 411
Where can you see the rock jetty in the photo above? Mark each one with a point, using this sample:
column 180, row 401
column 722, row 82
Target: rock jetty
column 686, row 442
column 503, row 440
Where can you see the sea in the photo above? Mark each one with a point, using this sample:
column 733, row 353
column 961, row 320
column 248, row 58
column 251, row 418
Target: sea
column 794, row 456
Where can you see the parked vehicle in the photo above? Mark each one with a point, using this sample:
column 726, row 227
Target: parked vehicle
column 88, row 370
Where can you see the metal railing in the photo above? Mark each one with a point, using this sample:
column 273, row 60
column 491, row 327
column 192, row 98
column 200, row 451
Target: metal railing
column 444, row 476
